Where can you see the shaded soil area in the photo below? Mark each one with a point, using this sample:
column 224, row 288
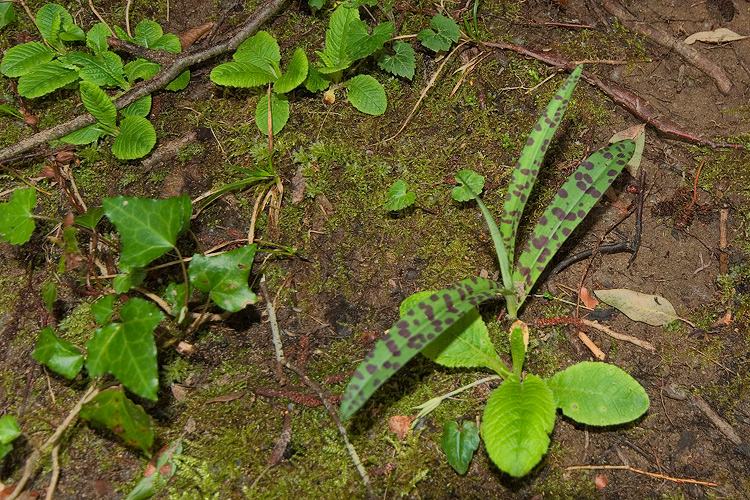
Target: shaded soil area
column 354, row 262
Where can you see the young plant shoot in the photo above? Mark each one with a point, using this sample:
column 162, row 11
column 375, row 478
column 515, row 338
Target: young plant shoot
column 447, row 328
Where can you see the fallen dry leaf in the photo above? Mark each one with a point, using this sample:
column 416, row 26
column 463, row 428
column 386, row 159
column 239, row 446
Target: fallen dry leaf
column 587, row 299
column 227, row 397
column 720, row 35
column 601, row 482
column 399, row 425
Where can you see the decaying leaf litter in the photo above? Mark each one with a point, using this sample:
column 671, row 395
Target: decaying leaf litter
column 339, row 295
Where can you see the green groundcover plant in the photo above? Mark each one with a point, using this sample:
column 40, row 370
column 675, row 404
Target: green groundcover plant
column 445, row 325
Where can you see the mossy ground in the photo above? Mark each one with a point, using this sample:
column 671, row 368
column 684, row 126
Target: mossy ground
column 358, row 262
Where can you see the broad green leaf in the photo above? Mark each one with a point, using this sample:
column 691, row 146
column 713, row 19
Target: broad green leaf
column 224, row 277
column 149, row 34
column 9, row 429
column 127, row 350
column 52, row 19
column 279, row 112
column 149, row 228
column 23, row 58
column 295, row 75
column 141, row 107
column 399, row 197
column 416, row 329
column 137, row 138
column 316, row 4
column 105, row 72
column 256, row 62
column 49, row 295
column 58, row 355
column 157, row 479
column 366, row 94
column 96, row 39
column 46, row 77
column 179, row 83
column 140, row 69
column 443, row 34
column 342, row 23
column 112, row 410
column 91, row 218
column 103, row 308
column 122, row 34
column 466, row 343
column 16, row 222
column 85, row 135
column 237, row 74
column 401, row 63
column 459, row 445
column 7, row 14
column 651, row 309
column 98, row 104
column 260, row 49
column 598, row 394
column 527, row 169
column 517, row 421
column 571, row 204
column 359, row 44
column 316, row 81
column 468, row 182
column 124, row 282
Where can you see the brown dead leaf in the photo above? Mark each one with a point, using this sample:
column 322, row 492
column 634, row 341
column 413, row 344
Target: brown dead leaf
column 587, row 299
column 725, row 320
column 192, row 35
column 227, row 397
column 601, row 482
column 399, row 425
column 720, row 35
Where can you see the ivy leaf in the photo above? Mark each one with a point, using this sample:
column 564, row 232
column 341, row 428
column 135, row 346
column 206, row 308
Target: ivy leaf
column 598, row 394
column 141, row 107
column 399, row 197
column 136, row 139
column 516, row 424
column 224, row 277
column 279, row 113
column 162, row 472
column 316, row 4
column 58, row 355
column 445, row 33
column 466, row 343
column 417, row 328
column 45, row 78
column 295, row 75
column 124, row 282
column 49, row 295
column 366, row 94
column 468, row 182
column 359, row 44
column 127, row 350
column 401, row 63
column 16, row 223
column 112, row 410
column 25, row 57
column 9, row 430
column 459, row 445
column 91, row 218
column 571, row 204
column 527, row 169
column 149, row 228
column 103, row 308
column 98, row 104
column 96, row 39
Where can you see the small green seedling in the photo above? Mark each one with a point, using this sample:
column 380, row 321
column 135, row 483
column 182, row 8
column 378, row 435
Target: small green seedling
column 9, row 431
column 446, row 327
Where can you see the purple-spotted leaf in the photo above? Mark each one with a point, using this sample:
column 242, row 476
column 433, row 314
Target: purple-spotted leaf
column 418, row 327
column 571, row 204
column 527, row 169
column 113, row 410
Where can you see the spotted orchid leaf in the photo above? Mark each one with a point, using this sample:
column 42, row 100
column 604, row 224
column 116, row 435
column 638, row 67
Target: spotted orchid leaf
column 527, row 169
column 419, row 326
column 571, row 204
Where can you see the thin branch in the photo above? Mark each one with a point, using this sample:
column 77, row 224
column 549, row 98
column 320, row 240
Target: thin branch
column 158, row 82
column 638, row 471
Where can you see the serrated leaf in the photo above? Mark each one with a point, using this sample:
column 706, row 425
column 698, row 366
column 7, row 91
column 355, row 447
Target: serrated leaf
column 58, row 355
column 9, row 429
column 459, row 445
column 140, row 69
column 443, row 34
column 466, row 343
column 527, row 169
column 45, row 78
column 16, row 222
column 23, row 58
column 366, row 94
column 651, row 309
column 598, row 394
column 85, row 135
column 111, row 409
column 468, row 182
column 123, row 35
column 256, row 62
column 237, row 74
column 360, row 44
column 342, row 22
column 179, row 83
column 103, row 308
column 417, row 328
column 96, row 39
column 72, row 33
column 136, row 139
column 98, row 104
column 141, row 107
column 7, row 14
column 568, row 208
column 105, row 72
column 224, row 277
column 150, row 34
column 279, row 113
column 401, row 63
column 295, row 74
column 517, row 421
column 51, row 20
column 149, row 228
column 127, row 350
column 399, row 197
column 316, row 81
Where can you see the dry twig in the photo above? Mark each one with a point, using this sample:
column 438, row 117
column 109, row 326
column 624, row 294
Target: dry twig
column 638, row 471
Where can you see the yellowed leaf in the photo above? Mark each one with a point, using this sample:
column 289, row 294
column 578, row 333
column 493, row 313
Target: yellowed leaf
column 720, row 35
